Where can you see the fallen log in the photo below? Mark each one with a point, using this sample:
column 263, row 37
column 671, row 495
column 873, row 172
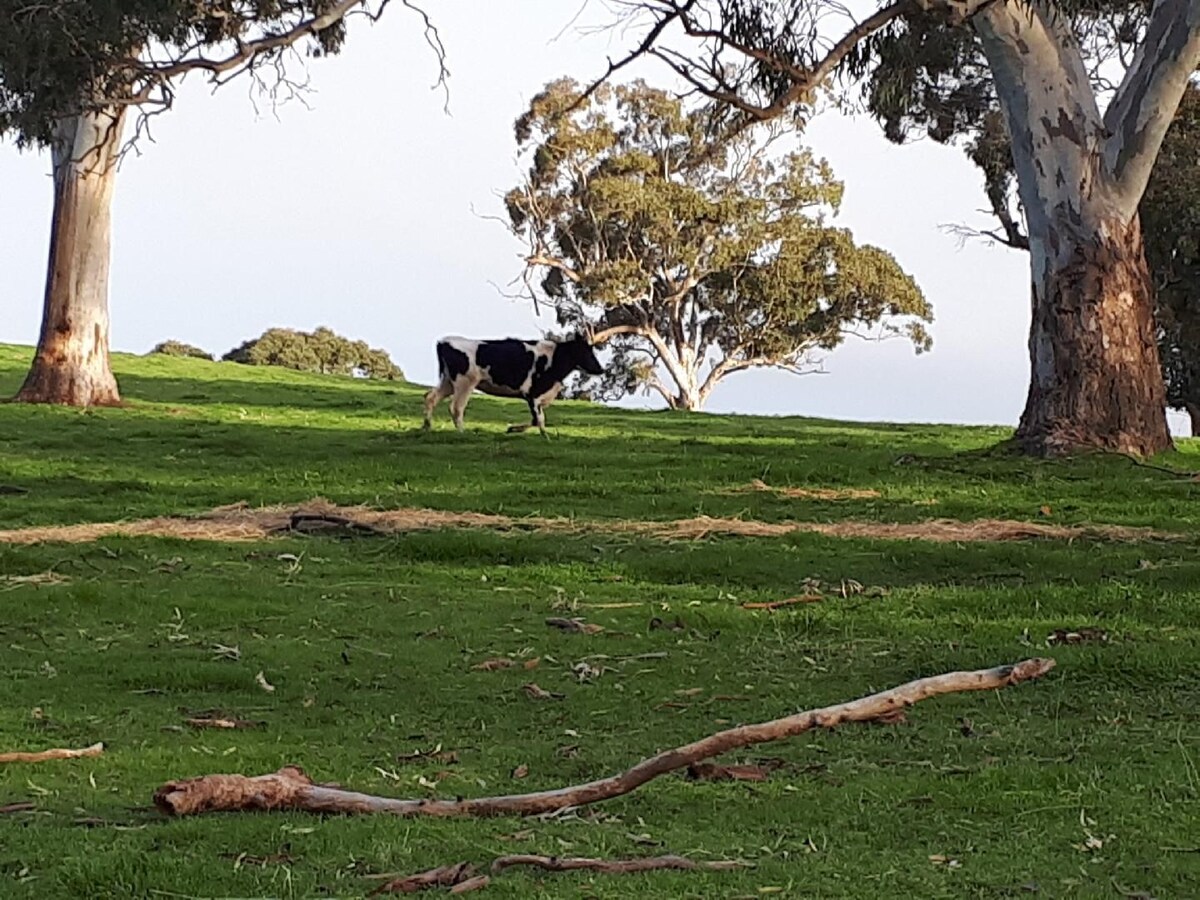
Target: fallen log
column 56, row 753
column 290, row 788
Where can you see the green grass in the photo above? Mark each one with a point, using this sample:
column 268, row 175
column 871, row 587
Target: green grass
column 370, row 645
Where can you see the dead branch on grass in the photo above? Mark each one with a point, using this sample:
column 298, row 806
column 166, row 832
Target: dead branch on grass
column 290, row 788
column 442, row 876
column 57, row 753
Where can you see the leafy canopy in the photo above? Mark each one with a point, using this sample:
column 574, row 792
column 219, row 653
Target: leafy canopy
column 699, row 257
column 59, row 59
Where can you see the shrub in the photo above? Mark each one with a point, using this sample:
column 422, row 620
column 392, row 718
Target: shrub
column 320, row 351
column 179, row 348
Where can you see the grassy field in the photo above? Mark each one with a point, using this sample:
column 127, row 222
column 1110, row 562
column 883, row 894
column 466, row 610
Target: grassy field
column 1082, row 785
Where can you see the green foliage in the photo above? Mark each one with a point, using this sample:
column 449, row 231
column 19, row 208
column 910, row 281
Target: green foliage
column 704, row 257
column 320, row 351
column 1170, row 212
column 179, row 348
column 370, row 642
column 61, row 58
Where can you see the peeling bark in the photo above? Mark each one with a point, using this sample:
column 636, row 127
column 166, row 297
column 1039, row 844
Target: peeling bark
column 71, row 366
column 1096, row 376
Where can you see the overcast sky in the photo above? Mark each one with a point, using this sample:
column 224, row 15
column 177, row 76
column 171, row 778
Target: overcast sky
column 365, row 213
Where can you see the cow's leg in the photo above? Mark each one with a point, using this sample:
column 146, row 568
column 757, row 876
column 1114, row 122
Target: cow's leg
column 539, row 405
column 539, row 415
column 436, row 395
column 463, row 386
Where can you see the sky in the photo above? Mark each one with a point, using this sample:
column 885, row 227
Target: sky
column 368, row 212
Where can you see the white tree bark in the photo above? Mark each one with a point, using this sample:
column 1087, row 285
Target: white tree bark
column 72, row 361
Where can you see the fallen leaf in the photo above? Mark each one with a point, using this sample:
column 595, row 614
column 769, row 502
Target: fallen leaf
column 261, row 680
column 677, row 625
column 520, row 771
column 524, row 834
column 1077, row 636
column 536, row 692
column 436, row 754
column 578, row 625
column 531, row 664
column 1044, row 511
column 492, row 665
column 223, row 723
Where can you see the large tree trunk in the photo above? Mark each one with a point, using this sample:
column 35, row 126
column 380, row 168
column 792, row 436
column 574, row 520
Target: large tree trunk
column 72, row 362
column 1095, row 380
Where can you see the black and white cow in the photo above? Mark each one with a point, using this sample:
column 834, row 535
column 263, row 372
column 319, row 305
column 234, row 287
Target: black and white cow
column 531, row 370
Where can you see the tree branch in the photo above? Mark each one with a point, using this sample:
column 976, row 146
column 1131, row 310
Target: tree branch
column 1144, row 105
column 290, row 788
column 248, row 50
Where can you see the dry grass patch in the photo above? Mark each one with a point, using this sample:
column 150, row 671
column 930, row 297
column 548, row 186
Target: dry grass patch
column 240, row 522
column 799, row 493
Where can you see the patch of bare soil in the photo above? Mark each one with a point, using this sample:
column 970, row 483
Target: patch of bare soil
column 240, row 522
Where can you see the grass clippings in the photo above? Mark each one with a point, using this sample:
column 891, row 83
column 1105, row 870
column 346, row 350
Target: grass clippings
column 240, row 522
column 813, row 493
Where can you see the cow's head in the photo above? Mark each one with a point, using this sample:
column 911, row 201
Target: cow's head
column 580, row 354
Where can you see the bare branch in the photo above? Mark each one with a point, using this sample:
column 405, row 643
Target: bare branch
column 291, row 788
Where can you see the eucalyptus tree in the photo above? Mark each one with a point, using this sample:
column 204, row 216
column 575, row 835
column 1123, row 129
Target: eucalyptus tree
column 694, row 257
column 1034, row 73
column 73, row 75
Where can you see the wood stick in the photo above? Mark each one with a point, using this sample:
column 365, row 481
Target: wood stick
column 57, row 753
column 790, row 601
column 291, row 788
column 442, row 876
column 611, row 866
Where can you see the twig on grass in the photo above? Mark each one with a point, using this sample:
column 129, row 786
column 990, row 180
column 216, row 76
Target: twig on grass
column 57, row 753
column 790, row 601
column 290, row 788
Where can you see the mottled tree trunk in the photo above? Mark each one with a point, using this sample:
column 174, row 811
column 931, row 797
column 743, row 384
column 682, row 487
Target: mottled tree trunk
column 1095, row 377
column 72, row 362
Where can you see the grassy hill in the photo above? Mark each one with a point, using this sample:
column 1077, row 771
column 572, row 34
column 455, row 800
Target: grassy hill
column 1084, row 784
